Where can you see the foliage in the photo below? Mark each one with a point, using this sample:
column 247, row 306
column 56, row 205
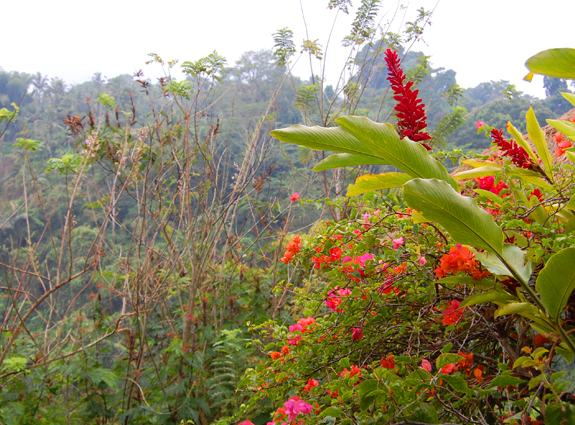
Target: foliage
column 391, row 331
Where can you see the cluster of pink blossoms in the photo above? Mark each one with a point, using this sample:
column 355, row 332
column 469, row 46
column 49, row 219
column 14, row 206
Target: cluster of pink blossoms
column 302, row 326
column 333, row 300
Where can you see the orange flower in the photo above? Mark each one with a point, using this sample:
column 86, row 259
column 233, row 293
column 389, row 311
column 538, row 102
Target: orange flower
column 275, row 355
column 285, row 350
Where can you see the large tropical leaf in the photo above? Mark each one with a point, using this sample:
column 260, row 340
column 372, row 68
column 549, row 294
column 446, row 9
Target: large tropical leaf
column 460, row 215
column 346, row 160
column 565, row 127
column 570, row 97
column 538, row 138
column 487, row 170
column 371, row 182
column 514, row 257
column 556, row 281
column 497, row 296
column 556, row 63
column 359, row 136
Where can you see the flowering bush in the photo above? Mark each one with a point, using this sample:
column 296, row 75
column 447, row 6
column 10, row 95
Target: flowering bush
column 456, row 310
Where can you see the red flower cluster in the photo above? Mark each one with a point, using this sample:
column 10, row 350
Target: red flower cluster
column 411, row 119
column 334, row 255
column 302, row 326
column 354, row 371
column 459, row 259
column 488, row 183
column 292, row 248
column 452, row 314
column 360, row 261
column 388, row 362
column 333, row 301
column 518, row 155
column 311, row 383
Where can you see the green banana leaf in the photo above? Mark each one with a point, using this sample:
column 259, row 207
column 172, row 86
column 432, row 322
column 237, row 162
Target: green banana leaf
column 371, row 182
column 459, row 215
column 556, row 63
column 556, row 281
column 346, row 160
column 359, row 136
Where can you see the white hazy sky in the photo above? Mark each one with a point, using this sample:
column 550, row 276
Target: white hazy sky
column 71, row 39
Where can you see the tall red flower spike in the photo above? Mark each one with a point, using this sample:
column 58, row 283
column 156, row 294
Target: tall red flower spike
column 411, row 119
column 518, row 155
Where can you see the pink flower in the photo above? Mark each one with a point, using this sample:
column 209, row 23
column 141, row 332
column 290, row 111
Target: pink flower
column 422, row 261
column 344, row 292
column 425, row 365
column 296, row 327
column 364, row 258
column 294, row 197
column 294, row 406
column 366, row 216
column 332, row 302
column 356, row 334
column 398, row 242
column 294, row 341
column 246, row 422
column 376, row 213
column 479, row 124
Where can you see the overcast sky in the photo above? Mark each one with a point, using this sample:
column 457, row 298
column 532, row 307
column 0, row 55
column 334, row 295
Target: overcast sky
column 71, row 39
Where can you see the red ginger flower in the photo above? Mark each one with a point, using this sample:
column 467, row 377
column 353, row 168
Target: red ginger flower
column 411, row 119
column 518, row 155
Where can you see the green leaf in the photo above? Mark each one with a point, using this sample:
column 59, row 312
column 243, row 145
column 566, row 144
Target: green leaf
column 457, row 383
column 505, row 380
column 371, row 182
column 361, row 136
column 485, row 171
column 514, row 256
column 565, row 127
column 538, row 138
column 410, row 157
column 523, row 309
column 367, row 387
column 346, row 160
column 497, row 296
column 570, row 226
column 571, row 204
column 521, row 142
column 554, row 414
column 447, row 358
column 556, row 63
column 556, row 281
column 464, row 220
column 332, row 411
column 496, row 199
column 533, row 179
column 466, row 280
column 539, row 214
column 570, row 97
column 475, row 163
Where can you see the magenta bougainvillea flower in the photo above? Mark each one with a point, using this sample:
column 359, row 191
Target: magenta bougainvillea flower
column 294, row 197
column 294, row 406
column 410, row 112
column 398, row 242
column 356, row 334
